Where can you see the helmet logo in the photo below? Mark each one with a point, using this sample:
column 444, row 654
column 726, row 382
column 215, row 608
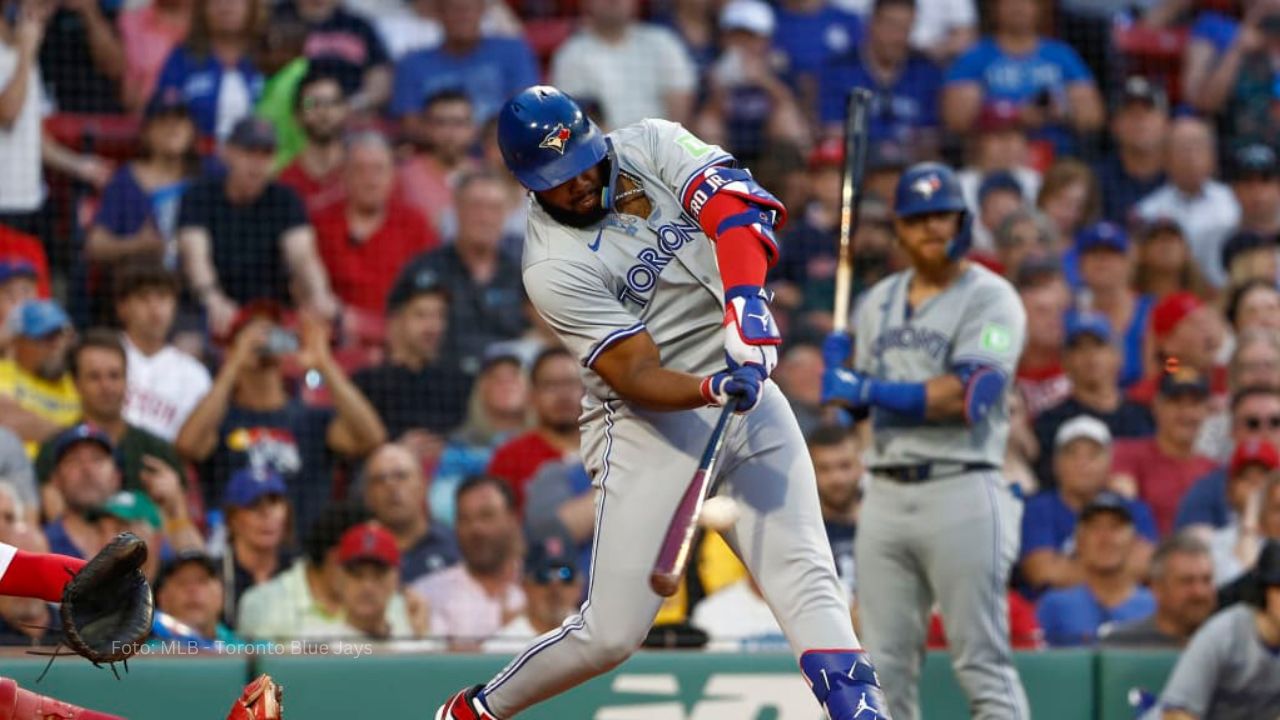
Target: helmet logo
column 927, row 186
column 557, row 138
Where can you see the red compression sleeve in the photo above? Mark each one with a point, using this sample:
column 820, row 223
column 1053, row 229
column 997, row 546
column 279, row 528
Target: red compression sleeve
column 39, row 575
column 742, row 256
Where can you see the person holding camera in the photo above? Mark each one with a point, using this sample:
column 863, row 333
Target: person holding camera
column 250, row 418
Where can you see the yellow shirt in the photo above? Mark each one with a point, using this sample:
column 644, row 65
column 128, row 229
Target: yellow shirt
column 718, row 567
column 58, row 402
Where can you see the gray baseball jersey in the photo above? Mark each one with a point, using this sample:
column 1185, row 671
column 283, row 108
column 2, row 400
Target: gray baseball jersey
column 952, row 539
column 596, row 286
column 1226, row 673
column 977, row 319
column 600, row 285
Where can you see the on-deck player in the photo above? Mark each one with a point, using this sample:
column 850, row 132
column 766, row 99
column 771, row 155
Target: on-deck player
column 646, row 252
column 936, row 345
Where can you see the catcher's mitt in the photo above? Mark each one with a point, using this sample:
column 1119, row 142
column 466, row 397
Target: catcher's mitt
column 107, row 606
column 262, row 699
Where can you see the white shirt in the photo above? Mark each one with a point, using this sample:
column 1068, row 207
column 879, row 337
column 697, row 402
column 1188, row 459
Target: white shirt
column 234, row 102
column 1207, row 220
column 22, row 182
column 630, row 78
column 162, row 389
column 736, row 613
column 460, row 606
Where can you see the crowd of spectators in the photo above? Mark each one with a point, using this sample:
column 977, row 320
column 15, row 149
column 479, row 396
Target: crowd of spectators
column 285, row 337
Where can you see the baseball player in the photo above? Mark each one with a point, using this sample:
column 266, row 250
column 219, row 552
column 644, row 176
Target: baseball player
column 936, row 346
column 646, row 251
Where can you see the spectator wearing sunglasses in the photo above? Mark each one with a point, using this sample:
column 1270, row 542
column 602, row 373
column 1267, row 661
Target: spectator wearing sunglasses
column 552, row 589
column 1255, row 415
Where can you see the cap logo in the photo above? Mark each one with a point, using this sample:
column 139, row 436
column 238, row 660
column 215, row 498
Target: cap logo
column 926, row 186
column 557, row 138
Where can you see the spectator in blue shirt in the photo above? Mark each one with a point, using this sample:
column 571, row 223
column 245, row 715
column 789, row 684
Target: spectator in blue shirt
column 364, row 69
column 489, row 69
column 214, row 69
column 1046, row 79
column 1214, row 40
column 1082, row 466
column 1105, row 261
column 810, row 32
column 1136, row 168
column 1108, row 591
column 906, row 85
column 1255, row 415
column 138, row 213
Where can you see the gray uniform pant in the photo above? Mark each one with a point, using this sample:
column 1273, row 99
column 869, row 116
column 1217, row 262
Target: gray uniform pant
column 642, row 462
column 952, row 540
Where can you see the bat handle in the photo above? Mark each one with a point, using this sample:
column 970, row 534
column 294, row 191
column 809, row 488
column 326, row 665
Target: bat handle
column 844, row 286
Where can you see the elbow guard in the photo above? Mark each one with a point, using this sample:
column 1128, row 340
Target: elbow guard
column 722, row 198
column 983, row 388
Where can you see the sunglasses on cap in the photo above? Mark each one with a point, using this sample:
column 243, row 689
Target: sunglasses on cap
column 1258, row 422
column 561, row 574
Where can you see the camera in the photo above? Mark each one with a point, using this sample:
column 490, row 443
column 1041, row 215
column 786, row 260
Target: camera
column 279, row 342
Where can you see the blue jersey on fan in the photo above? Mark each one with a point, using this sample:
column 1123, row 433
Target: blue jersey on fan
column 808, row 39
column 1051, row 67
column 907, row 104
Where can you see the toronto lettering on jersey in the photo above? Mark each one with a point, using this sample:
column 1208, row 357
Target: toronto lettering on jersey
column 643, row 276
column 907, row 337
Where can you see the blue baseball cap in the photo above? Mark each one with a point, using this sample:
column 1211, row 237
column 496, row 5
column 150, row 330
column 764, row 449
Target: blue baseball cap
column 76, row 434
column 1107, row 502
column 38, row 319
column 1102, row 236
column 551, row 558
column 1088, row 323
column 1001, row 180
column 248, row 484
column 11, row 268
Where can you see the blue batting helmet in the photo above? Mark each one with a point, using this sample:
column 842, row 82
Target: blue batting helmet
column 932, row 187
column 546, row 139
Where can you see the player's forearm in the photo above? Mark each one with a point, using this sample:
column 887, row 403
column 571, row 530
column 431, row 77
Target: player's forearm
column 658, row 388
column 944, row 398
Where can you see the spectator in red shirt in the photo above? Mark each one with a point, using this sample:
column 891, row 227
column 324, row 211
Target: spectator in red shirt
column 556, row 395
column 443, row 134
column 367, row 238
column 1160, row 469
column 321, row 110
column 1045, row 296
column 1189, row 332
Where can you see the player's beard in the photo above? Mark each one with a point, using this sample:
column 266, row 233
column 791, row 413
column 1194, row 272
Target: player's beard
column 575, row 219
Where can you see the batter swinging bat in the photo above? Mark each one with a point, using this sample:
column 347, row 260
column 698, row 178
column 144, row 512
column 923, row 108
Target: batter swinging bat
column 676, row 544
column 855, row 161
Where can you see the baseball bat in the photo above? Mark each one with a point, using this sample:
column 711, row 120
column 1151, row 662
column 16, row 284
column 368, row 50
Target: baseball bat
column 673, row 557
column 855, row 162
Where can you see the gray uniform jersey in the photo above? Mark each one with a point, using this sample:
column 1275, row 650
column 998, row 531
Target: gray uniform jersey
column 1226, row 673
column 598, row 285
column 595, row 287
column 977, row 319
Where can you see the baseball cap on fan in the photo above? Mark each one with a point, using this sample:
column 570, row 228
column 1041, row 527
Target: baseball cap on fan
column 1139, row 90
column 751, row 16
column 1254, row 451
column 38, row 319
column 1107, row 502
column 1082, row 427
column 368, row 542
column 253, row 133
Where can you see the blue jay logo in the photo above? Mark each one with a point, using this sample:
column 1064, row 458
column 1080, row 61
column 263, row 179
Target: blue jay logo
column 926, row 186
column 557, row 138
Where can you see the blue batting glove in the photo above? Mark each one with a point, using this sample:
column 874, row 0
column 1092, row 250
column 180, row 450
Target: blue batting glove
column 846, row 387
column 751, row 335
column 836, row 349
column 742, row 385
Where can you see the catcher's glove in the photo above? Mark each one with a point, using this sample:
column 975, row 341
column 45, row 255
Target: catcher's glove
column 262, row 699
column 107, row 606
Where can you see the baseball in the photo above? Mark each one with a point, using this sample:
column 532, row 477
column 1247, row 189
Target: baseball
column 718, row 513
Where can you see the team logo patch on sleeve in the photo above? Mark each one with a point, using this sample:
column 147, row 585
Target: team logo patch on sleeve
column 557, row 138
column 996, row 338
